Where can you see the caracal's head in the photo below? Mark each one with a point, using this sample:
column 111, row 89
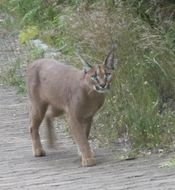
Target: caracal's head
column 100, row 76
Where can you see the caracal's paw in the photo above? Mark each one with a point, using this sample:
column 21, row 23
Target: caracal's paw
column 80, row 153
column 39, row 152
column 88, row 162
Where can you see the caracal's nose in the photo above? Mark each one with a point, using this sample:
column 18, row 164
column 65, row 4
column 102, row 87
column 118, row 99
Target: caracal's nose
column 102, row 85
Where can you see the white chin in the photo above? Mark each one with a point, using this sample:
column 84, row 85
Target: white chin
column 102, row 91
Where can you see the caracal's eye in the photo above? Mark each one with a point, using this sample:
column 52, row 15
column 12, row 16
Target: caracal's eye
column 94, row 77
column 108, row 76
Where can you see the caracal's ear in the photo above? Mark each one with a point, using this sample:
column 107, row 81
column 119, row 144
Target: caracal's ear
column 87, row 66
column 109, row 60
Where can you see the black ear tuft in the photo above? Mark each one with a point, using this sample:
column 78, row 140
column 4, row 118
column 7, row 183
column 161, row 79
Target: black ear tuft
column 85, row 63
column 109, row 60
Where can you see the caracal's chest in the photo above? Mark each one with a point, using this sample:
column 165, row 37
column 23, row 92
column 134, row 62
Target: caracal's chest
column 87, row 107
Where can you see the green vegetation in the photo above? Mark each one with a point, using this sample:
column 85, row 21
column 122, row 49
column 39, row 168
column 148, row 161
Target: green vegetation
column 14, row 74
column 140, row 109
column 28, row 34
column 14, row 77
column 170, row 163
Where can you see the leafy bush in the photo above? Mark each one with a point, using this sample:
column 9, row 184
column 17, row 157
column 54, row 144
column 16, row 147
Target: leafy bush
column 28, row 34
column 31, row 12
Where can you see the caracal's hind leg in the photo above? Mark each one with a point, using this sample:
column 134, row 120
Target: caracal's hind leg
column 37, row 115
column 50, row 130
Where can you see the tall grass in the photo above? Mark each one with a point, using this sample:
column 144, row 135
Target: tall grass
column 140, row 109
column 137, row 107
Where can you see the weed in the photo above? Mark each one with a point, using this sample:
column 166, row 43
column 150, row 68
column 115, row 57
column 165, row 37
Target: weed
column 13, row 76
column 15, row 73
column 170, row 163
column 34, row 52
column 28, row 34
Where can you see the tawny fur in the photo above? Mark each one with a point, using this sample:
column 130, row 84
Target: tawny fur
column 54, row 89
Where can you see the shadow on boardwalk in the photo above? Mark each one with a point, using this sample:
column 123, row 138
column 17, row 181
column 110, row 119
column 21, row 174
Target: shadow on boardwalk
column 61, row 169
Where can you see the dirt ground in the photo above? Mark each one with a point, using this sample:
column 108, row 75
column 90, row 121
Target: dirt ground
column 61, row 169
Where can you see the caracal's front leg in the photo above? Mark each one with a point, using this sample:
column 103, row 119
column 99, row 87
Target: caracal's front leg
column 86, row 125
column 80, row 136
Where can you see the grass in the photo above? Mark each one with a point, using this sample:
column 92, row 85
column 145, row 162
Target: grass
column 15, row 73
column 140, row 109
column 168, row 164
column 144, row 82
column 12, row 76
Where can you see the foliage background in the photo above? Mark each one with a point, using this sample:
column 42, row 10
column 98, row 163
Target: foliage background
column 140, row 109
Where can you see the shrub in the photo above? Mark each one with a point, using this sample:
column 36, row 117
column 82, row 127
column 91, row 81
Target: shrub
column 28, row 34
